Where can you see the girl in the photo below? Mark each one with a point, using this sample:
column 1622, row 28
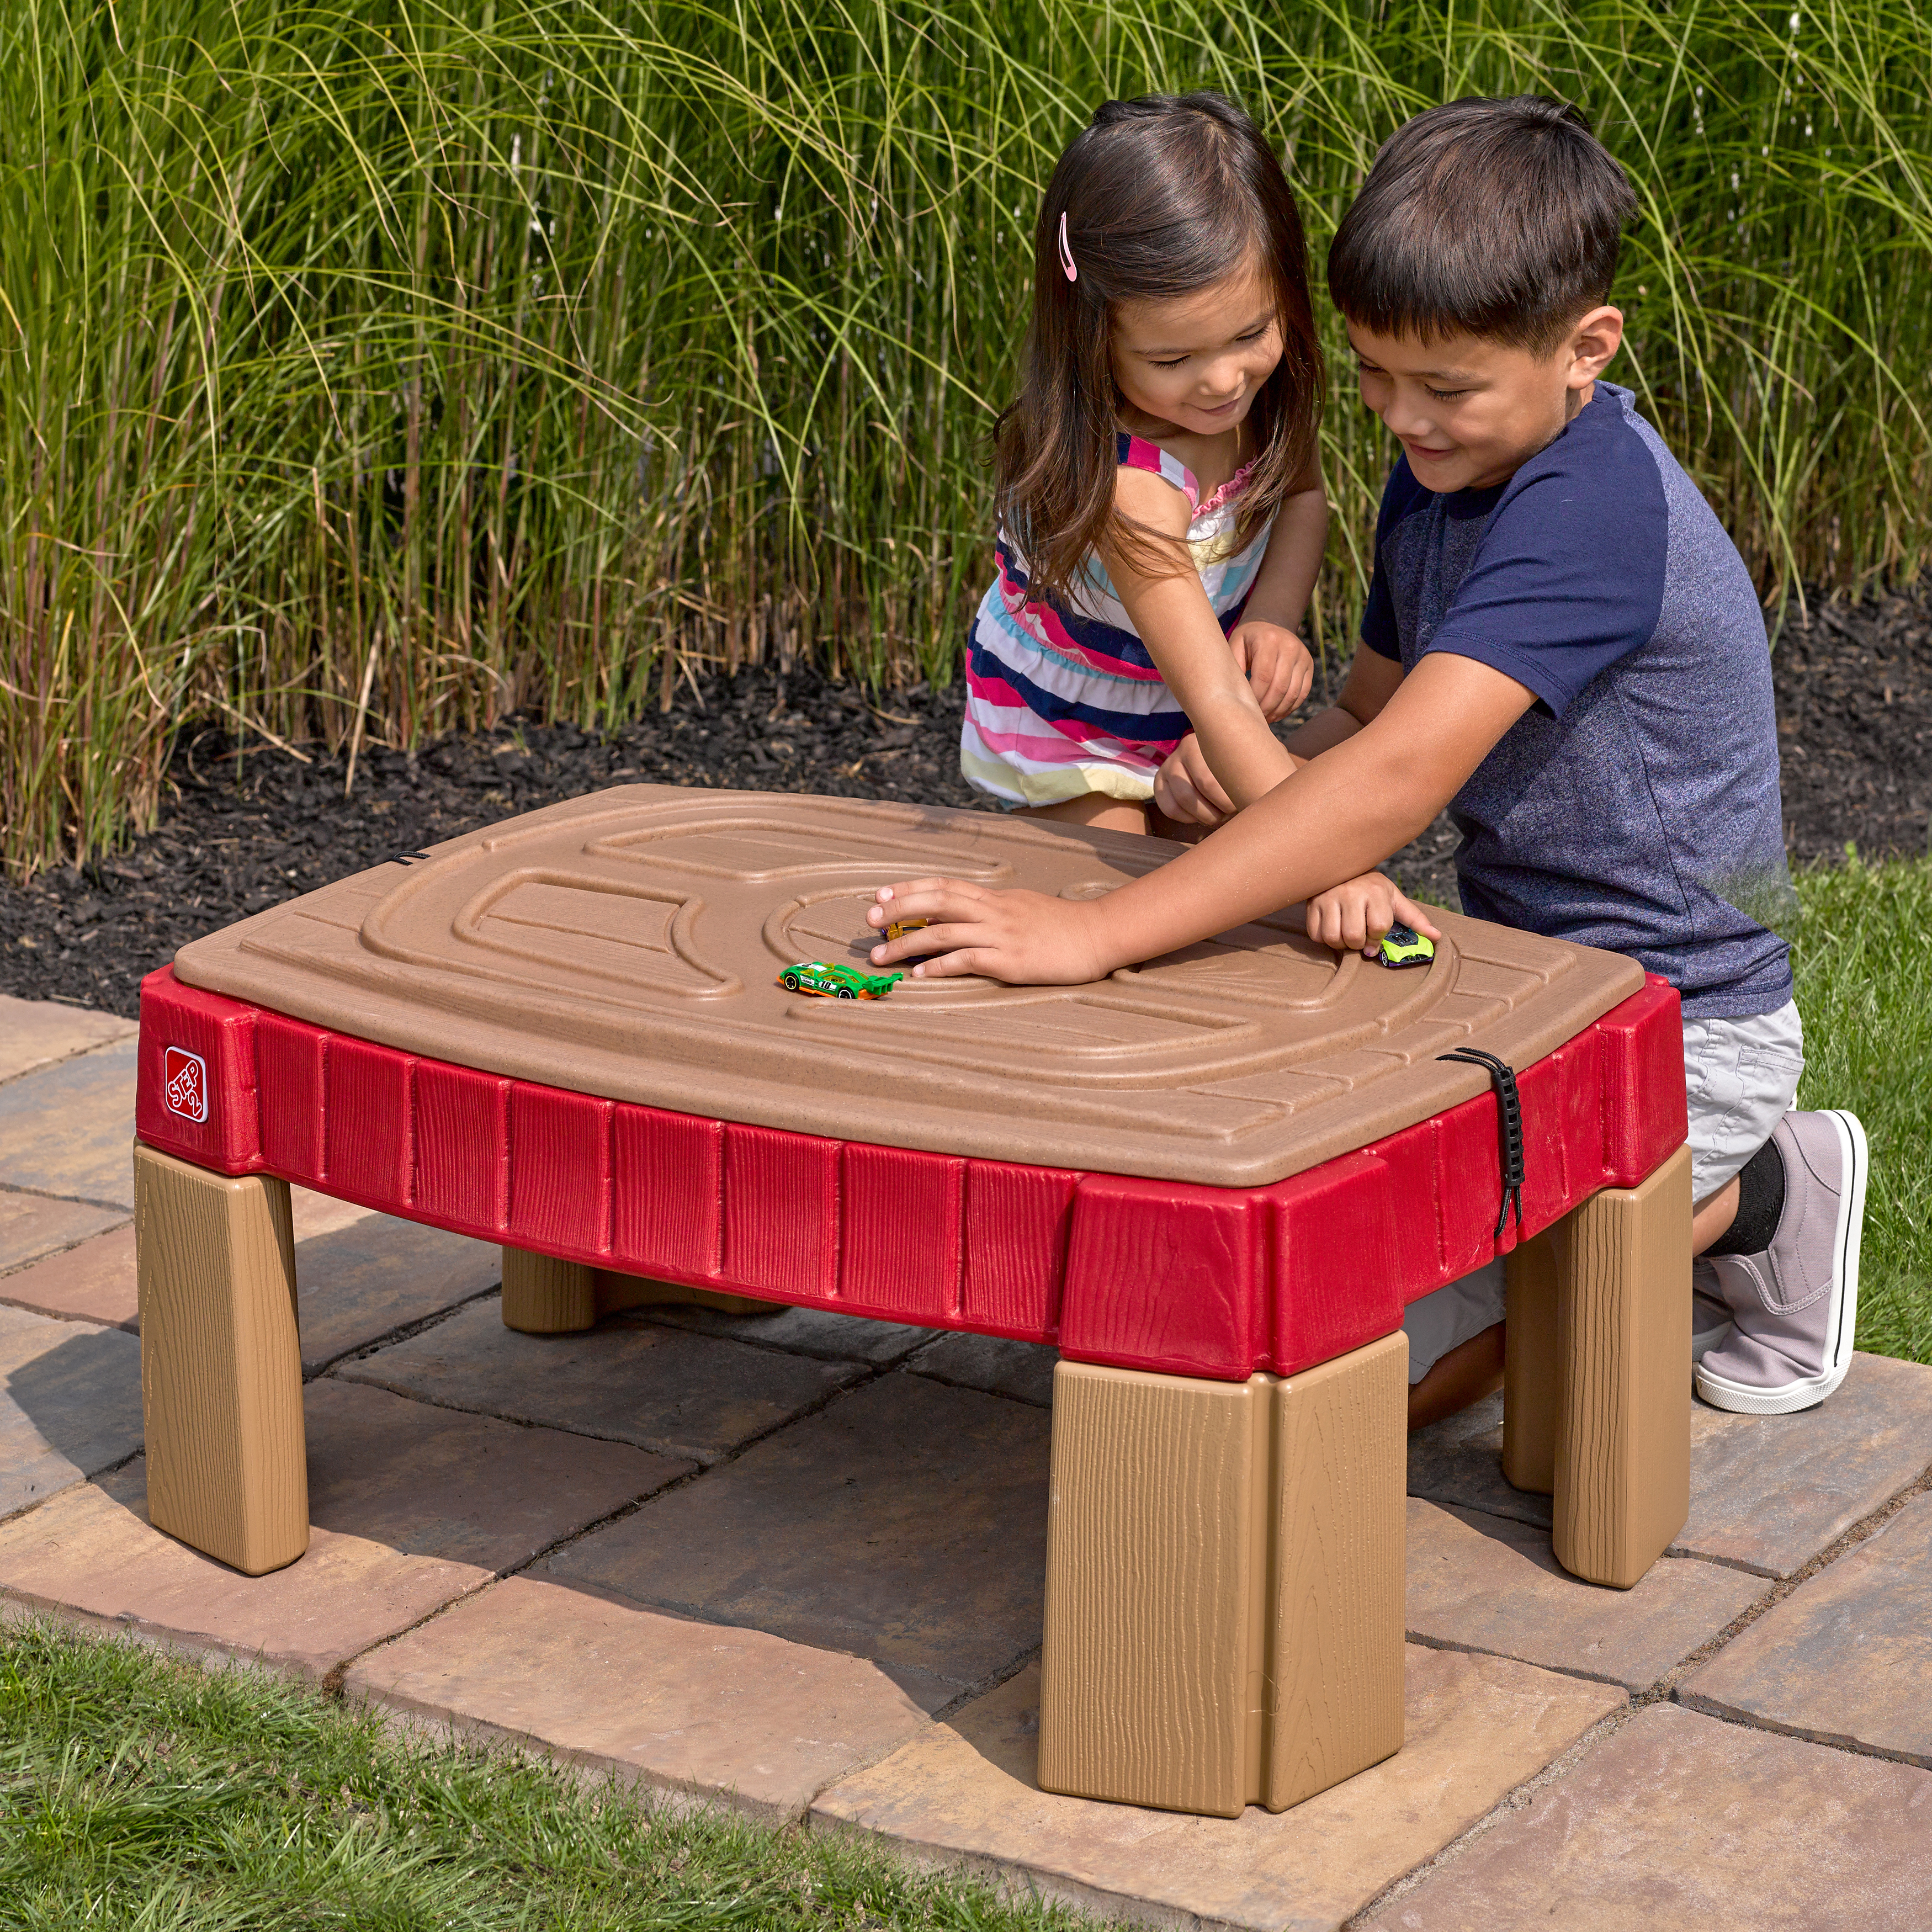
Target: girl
column 1160, row 505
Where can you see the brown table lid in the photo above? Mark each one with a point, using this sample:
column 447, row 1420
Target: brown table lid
column 627, row 944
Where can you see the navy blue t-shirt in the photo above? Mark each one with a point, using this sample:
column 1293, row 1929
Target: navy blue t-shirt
column 1635, row 806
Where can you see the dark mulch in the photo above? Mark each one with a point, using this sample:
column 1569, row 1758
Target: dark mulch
column 239, row 833
column 1854, row 726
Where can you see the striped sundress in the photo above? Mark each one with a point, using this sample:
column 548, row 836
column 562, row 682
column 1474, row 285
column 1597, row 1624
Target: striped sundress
column 1061, row 696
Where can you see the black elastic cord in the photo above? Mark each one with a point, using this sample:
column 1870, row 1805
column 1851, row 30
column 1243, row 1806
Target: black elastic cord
column 1509, row 1128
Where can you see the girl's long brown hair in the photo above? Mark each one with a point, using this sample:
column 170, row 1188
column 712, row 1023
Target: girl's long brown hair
column 1162, row 196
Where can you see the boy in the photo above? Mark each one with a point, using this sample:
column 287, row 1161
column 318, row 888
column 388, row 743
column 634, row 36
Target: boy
column 1562, row 645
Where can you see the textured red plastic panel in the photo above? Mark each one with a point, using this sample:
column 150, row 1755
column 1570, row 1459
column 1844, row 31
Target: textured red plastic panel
column 669, row 1194
column 1016, row 1257
column 462, row 1145
column 368, row 1141
column 293, row 1059
column 782, row 1213
column 1342, row 1246
column 559, row 1169
column 1163, row 1275
column 1171, row 1276
column 219, row 1032
column 900, row 1239
column 1646, row 1118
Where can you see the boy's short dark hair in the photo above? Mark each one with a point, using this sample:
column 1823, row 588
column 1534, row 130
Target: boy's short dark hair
column 1496, row 218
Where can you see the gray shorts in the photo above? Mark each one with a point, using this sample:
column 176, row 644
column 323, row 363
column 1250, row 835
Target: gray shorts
column 1740, row 1077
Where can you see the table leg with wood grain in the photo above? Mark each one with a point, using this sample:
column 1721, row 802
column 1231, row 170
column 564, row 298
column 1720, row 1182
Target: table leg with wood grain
column 221, row 1386
column 1596, row 1409
column 1224, row 1589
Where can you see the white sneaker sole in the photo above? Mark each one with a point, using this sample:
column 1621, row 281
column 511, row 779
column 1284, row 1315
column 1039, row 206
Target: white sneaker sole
column 1855, row 1158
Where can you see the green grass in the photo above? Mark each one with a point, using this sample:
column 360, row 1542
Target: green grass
column 140, row 1792
column 373, row 366
column 1862, row 954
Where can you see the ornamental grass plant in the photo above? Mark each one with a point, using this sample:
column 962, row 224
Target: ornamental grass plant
column 369, row 370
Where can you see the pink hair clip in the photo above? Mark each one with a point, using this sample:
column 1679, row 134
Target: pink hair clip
column 1066, row 253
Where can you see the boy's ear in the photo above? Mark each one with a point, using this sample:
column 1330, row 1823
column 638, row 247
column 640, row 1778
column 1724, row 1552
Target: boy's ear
column 1594, row 342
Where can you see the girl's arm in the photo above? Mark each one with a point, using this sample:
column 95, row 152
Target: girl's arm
column 1370, row 684
column 1265, row 647
column 1183, row 638
column 1286, row 579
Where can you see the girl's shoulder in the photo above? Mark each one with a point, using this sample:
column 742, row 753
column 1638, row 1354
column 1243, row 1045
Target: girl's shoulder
column 1135, row 452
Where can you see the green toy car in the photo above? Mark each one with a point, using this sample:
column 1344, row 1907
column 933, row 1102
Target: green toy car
column 834, row 981
column 1403, row 946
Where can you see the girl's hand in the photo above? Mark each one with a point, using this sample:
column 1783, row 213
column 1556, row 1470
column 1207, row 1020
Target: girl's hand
column 1353, row 917
column 1276, row 665
column 1187, row 791
column 1027, row 939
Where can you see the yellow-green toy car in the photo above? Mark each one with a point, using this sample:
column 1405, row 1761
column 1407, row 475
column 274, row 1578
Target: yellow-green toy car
column 1403, row 946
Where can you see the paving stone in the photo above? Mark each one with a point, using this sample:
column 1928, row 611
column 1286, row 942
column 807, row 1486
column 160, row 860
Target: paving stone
column 1476, row 1727
column 412, row 1507
column 360, row 1280
column 676, row 1393
column 440, row 1482
column 315, row 1214
column 361, row 1275
column 729, row 1713
column 1458, row 1461
column 31, row 1225
column 94, row 1282
column 1478, row 1582
column 801, row 1331
column 1023, row 1370
column 1681, row 1821
column 1831, row 1661
column 70, row 1404
column 907, row 1523
column 1769, row 1492
column 69, row 1129
column 90, row 1554
column 37, row 1033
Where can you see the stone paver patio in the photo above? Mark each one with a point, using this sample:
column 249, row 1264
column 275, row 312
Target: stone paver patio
column 794, row 1565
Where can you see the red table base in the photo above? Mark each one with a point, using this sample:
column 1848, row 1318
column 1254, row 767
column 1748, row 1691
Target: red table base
column 1168, row 1277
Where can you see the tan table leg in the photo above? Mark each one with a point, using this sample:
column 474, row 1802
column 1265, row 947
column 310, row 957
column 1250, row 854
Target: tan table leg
column 221, row 1391
column 1622, row 1485
column 543, row 1296
column 1532, row 1367
column 1224, row 1588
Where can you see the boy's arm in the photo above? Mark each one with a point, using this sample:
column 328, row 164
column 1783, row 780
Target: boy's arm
column 1175, row 620
column 1366, row 797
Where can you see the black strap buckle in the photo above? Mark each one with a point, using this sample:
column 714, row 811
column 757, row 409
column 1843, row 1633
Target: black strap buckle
column 1509, row 1128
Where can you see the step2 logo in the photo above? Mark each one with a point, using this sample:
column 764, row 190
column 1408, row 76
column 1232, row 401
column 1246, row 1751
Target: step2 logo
column 184, row 1083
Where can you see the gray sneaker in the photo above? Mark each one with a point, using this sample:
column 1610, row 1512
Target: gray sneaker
column 1711, row 1322
column 1795, row 1305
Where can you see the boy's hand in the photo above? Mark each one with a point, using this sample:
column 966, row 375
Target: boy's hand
column 1276, row 665
column 1353, row 917
column 1186, row 790
column 1027, row 939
